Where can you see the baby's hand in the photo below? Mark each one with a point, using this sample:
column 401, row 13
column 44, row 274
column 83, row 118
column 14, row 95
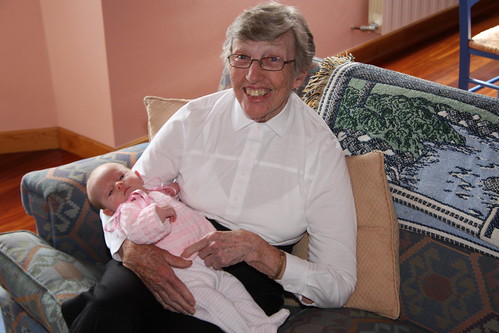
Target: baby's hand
column 172, row 189
column 166, row 212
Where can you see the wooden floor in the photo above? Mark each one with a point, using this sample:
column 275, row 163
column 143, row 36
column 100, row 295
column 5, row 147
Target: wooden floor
column 435, row 60
column 12, row 168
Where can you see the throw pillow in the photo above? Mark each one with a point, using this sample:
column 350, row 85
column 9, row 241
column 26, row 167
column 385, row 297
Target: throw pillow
column 159, row 110
column 378, row 277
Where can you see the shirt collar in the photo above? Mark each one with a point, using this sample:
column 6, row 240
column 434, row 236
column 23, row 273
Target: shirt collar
column 239, row 118
column 278, row 124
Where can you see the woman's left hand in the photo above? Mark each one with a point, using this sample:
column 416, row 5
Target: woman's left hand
column 224, row 248
column 220, row 249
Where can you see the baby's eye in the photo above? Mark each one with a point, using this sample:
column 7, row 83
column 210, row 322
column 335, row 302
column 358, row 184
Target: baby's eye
column 110, row 193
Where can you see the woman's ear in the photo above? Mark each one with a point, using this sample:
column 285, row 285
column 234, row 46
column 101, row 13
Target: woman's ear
column 299, row 79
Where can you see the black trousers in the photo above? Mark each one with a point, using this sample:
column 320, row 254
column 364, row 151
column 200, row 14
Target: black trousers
column 121, row 303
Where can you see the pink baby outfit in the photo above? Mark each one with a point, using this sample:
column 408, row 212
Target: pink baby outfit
column 138, row 220
column 220, row 298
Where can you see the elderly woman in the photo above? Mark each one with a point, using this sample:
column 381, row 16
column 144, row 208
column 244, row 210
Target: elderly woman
column 259, row 164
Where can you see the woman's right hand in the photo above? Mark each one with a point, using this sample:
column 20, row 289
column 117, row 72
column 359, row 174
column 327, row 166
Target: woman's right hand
column 154, row 267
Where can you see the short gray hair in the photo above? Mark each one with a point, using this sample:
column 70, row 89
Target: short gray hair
column 269, row 21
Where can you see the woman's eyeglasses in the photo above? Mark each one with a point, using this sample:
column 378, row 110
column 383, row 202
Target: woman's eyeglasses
column 266, row 63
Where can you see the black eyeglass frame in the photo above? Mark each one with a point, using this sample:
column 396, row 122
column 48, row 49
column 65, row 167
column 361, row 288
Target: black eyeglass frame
column 260, row 61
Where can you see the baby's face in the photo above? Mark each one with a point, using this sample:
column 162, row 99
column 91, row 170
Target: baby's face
column 113, row 185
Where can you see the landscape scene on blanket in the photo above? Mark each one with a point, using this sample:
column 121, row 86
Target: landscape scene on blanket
column 430, row 148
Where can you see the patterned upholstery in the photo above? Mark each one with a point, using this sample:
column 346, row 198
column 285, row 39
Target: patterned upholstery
column 41, row 277
column 57, row 199
column 41, row 271
column 444, row 287
column 447, row 288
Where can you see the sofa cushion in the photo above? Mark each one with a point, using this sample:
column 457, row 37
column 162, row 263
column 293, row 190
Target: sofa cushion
column 345, row 320
column 14, row 316
column 40, row 277
column 447, row 288
column 377, row 287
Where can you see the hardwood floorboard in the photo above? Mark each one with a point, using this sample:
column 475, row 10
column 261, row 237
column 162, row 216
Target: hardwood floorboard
column 12, row 169
column 435, row 60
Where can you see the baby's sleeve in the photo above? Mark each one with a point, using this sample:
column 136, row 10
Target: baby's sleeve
column 142, row 225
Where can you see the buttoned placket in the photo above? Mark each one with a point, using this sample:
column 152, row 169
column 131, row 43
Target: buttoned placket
column 246, row 163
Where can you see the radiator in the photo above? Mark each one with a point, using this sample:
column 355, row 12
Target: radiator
column 391, row 15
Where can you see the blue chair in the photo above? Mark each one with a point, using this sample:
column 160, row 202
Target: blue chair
column 485, row 44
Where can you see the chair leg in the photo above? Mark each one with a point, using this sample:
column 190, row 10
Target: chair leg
column 464, row 69
column 464, row 37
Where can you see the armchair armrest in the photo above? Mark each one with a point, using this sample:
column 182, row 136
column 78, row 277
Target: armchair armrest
column 57, row 200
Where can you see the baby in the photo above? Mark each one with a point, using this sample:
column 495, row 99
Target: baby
column 157, row 217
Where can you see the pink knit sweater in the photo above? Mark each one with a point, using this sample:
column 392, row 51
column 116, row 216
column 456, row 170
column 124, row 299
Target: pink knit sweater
column 138, row 220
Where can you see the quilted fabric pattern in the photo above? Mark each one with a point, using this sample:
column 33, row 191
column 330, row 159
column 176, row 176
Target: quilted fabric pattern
column 40, row 277
column 57, row 199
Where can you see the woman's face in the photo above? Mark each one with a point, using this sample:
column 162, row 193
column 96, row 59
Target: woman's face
column 263, row 94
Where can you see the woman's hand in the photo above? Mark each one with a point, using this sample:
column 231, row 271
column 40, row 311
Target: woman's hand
column 153, row 266
column 224, row 248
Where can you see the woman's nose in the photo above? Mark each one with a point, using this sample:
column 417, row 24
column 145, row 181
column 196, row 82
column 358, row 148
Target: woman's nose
column 255, row 72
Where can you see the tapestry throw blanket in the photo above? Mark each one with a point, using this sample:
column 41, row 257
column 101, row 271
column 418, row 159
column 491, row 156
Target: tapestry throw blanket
column 441, row 149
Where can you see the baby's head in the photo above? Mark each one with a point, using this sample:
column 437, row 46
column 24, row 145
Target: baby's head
column 110, row 184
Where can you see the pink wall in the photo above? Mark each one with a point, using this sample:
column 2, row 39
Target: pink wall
column 26, row 91
column 102, row 57
column 77, row 57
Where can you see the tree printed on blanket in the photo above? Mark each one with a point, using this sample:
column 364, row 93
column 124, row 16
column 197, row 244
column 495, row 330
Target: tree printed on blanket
column 403, row 127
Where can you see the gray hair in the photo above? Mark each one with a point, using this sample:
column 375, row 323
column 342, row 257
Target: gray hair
column 269, row 21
